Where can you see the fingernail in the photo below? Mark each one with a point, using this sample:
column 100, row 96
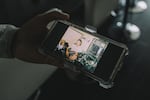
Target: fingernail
column 54, row 9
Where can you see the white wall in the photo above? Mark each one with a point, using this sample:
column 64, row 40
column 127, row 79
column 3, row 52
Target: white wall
column 18, row 79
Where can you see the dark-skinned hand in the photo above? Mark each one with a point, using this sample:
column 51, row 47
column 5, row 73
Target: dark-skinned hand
column 29, row 37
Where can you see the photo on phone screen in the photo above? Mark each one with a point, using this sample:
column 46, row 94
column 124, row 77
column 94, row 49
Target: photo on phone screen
column 81, row 48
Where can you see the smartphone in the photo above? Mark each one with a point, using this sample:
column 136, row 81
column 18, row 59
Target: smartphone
column 96, row 56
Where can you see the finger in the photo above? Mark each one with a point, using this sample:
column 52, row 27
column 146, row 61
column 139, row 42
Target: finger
column 46, row 59
column 53, row 61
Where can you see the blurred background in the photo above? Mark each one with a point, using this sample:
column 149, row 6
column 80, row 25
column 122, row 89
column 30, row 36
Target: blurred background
column 125, row 21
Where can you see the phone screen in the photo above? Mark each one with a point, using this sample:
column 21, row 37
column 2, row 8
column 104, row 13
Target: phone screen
column 81, row 48
column 90, row 53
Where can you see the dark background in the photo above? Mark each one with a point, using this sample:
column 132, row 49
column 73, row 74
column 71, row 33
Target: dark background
column 132, row 82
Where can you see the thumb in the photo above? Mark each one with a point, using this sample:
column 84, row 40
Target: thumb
column 54, row 14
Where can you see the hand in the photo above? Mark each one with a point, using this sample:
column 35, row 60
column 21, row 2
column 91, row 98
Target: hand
column 29, row 37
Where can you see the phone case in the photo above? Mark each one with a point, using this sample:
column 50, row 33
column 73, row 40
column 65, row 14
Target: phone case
column 105, row 84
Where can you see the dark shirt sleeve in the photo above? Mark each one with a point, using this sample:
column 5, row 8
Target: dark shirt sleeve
column 7, row 33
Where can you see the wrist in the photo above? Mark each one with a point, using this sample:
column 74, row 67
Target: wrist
column 6, row 40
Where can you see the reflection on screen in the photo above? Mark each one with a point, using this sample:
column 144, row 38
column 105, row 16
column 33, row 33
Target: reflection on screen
column 81, row 48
